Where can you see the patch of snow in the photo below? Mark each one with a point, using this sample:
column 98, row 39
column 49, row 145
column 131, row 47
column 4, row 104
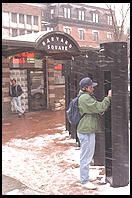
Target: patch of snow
column 44, row 164
column 14, row 192
column 108, row 190
column 6, row 124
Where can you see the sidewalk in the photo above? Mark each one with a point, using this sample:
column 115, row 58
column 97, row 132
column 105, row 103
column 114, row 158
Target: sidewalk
column 38, row 154
column 11, row 186
column 34, row 124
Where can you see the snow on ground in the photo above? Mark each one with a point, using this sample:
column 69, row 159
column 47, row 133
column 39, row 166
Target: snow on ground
column 50, row 164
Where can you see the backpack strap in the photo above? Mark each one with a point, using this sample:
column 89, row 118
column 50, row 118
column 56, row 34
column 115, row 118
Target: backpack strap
column 78, row 98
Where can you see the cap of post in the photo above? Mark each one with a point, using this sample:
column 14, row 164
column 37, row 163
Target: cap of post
column 87, row 82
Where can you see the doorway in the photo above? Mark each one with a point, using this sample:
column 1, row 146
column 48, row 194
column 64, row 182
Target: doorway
column 37, row 90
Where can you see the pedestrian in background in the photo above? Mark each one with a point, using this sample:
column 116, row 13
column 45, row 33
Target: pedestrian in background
column 16, row 92
column 88, row 126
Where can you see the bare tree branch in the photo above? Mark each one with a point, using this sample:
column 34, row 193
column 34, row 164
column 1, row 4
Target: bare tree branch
column 118, row 31
column 123, row 21
column 114, row 23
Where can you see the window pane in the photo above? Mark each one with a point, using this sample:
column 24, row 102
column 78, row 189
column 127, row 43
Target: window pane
column 5, row 33
column 81, row 34
column 67, row 13
column 67, row 30
column 5, row 18
column 29, row 19
column 79, row 14
column 83, row 15
column 109, row 36
column 58, row 78
column 21, row 32
column 29, row 32
column 14, row 17
column 109, row 20
column 95, row 18
column 14, row 32
column 35, row 20
column 95, row 36
column 52, row 13
column 21, row 18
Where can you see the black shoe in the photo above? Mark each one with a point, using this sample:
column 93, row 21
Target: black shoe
column 19, row 116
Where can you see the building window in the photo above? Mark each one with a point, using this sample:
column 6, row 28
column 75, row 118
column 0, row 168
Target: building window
column 109, row 35
column 52, row 13
column 81, row 15
column 5, row 33
column 95, row 36
column 109, row 19
column 29, row 31
column 36, row 31
column 81, row 34
column 67, row 30
column 29, row 19
column 21, row 18
column 67, row 13
column 14, row 17
column 50, row 28
column 43, row 12
column 14, row 32
column 5, row 18
column 35, row 20
column 95, row 18
column 21, row 32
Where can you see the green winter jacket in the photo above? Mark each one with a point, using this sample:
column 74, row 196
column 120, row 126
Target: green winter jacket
column 90, row 122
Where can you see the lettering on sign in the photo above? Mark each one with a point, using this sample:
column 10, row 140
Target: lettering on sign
column 57, row 43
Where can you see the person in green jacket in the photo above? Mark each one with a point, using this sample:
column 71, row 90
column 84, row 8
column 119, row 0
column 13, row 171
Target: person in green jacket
column 88, row 126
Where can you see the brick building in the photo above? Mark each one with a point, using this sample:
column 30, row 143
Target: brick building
column 88, row 25
column 20, row 19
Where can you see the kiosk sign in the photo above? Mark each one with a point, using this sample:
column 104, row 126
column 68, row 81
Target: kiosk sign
column 57, row 42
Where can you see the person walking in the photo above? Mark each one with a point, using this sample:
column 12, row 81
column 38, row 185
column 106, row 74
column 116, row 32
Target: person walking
column 16, row 92
column 88, row 126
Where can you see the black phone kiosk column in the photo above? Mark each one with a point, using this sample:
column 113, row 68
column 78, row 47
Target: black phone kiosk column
column 116, row 117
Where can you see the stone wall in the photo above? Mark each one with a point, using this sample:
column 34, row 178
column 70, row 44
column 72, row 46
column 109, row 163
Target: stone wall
column 6, row 99
column 50, row 83
column 55, row 93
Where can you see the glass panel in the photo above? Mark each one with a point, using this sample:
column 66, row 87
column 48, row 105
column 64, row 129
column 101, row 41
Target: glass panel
column 29, row 21
column 14, row 17
column 58, row 78
column 37, row 90
column 21, row 18
column 5, row 19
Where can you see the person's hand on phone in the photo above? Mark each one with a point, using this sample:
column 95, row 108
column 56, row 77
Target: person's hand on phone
column 110, row 93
